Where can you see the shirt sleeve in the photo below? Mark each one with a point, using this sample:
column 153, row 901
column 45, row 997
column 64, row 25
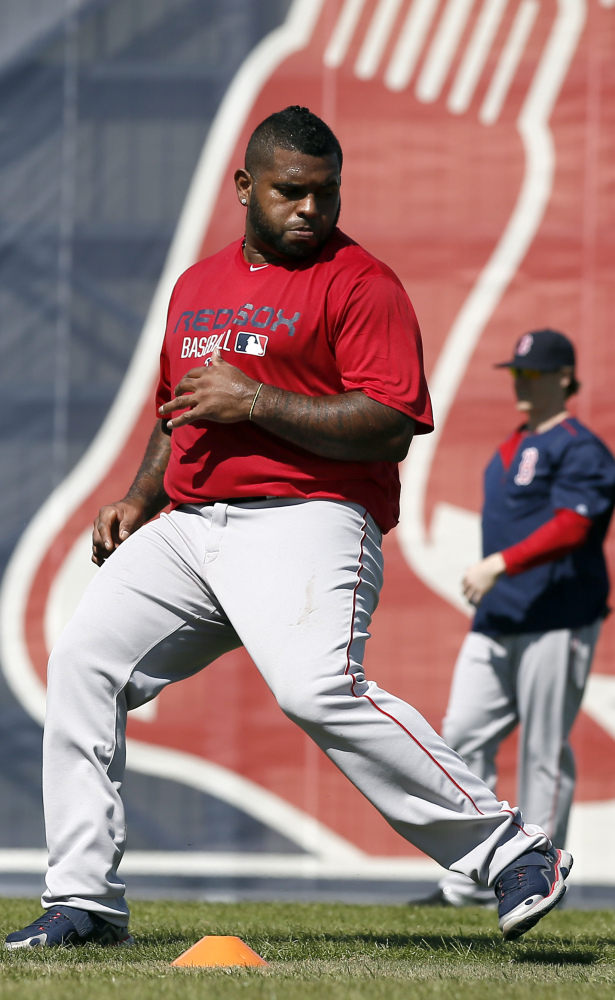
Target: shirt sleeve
column 560, row 535
column 164, row 392
column 378, row 349
column 585, row 479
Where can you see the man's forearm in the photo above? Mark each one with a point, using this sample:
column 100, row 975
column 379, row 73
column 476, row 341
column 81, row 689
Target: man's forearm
column 148, row 486
column 351, row 427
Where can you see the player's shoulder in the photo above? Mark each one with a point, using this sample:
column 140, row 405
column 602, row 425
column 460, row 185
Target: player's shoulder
column 571, row 435
column 573, row 431
column 210, row 265
column 344, row 256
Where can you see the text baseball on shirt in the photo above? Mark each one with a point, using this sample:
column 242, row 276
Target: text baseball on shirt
column 245, row 341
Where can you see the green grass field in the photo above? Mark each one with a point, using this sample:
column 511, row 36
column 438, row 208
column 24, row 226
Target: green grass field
column 324, row 952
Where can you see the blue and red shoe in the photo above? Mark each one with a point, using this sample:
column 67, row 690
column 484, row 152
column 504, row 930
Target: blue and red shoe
column 529, row 888
column 66, row 925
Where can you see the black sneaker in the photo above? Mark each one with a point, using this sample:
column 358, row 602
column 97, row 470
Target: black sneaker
column 529, row 888
column 448, row 897
column 66, row 925
column 437, row 898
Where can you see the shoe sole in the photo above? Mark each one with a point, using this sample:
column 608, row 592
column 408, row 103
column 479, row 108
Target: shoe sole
column 33, row 943
column 518, row 921
column 126, row 942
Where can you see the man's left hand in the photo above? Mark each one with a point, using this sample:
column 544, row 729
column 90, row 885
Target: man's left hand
column 218, row 391
column 481, row 577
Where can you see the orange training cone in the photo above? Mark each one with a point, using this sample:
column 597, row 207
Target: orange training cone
column 212, row 950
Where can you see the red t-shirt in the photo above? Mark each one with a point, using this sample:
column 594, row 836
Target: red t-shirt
column 338, row 322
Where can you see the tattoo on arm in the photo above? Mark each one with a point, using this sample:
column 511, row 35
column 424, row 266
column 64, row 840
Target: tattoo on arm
column 350, row 427
column 148, row 487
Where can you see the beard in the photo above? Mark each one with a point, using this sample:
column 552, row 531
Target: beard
column 274, row 239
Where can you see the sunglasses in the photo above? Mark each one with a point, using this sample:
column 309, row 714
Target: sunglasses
column 531, row 373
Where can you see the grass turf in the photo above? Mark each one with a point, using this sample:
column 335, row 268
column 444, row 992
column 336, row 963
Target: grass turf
column 324, row 952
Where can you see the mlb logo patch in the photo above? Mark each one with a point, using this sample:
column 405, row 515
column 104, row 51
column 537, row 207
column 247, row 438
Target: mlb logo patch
column 251, row 343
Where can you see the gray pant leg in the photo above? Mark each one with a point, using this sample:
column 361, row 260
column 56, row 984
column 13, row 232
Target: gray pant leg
column 482, row 707
column 146, row 620
column 552, row 673
column 537, row 679
column 302, row 604
column 481, row 712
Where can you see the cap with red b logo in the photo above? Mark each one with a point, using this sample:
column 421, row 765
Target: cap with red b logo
column 542, row 350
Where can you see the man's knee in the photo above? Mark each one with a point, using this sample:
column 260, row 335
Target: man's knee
column 311, row 702
column 454, row 733
column 76, row 661
column 65, row 657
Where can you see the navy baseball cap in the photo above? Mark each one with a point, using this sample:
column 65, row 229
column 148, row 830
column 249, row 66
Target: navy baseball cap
column 543, row 351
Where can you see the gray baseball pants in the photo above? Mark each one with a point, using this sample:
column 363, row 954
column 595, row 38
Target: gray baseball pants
column 296, row 583
column 535, row 679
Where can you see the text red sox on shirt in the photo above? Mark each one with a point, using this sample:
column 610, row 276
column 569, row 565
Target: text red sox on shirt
column 242, row 341
column 338, row 323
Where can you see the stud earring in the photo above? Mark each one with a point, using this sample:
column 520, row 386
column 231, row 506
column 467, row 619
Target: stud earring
column 243, row 201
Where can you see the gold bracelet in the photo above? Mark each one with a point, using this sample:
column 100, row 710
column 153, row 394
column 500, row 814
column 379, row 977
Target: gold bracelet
column 254, row 400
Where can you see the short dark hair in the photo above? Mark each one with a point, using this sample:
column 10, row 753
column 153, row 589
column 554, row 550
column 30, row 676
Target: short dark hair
column 293, row 128
column 574, row 387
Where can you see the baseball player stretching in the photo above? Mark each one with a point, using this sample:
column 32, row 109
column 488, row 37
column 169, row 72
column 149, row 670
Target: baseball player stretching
column 291, row 383
column 541, row 593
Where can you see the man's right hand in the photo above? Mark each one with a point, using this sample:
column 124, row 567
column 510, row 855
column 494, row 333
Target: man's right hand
column 115, row 522
column 481, row 577
column 145, row 498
